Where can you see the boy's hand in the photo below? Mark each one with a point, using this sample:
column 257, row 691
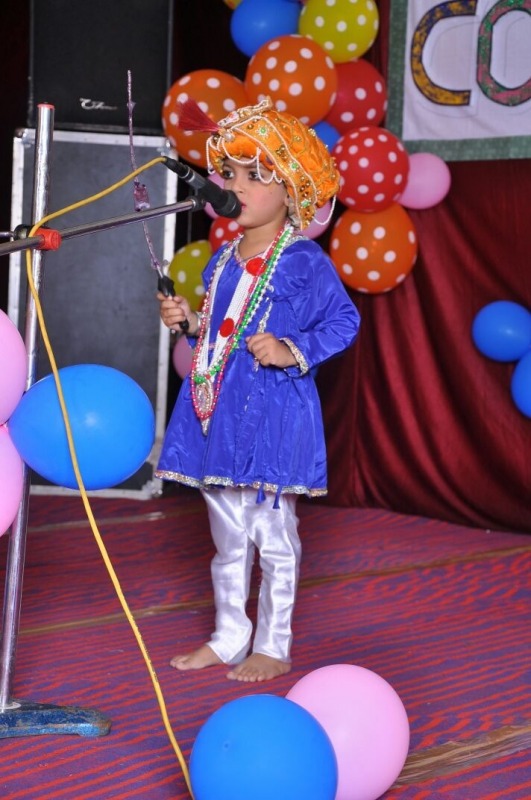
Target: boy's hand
column 174, row 310
column 270, row 351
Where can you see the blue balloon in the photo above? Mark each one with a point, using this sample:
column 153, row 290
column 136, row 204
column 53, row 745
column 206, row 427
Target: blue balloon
column 521, row 385
column 502, row 330
column 255, row 22
column 112, row 422
column 265, row 748
column 327, row 134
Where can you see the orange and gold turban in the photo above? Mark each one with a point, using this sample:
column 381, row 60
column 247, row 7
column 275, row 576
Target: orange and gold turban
column 285, row 146
column 281, row 142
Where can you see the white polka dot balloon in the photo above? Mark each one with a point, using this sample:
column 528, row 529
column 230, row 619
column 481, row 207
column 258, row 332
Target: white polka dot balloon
column 361, row 96
column 223, row 230
column 297, row 74
column 375, row 252
column 373, row 165
column 217, row 94
column 345, row 29
column 185, row 271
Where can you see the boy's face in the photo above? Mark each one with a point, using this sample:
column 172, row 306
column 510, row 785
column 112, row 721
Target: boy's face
column 263, row 199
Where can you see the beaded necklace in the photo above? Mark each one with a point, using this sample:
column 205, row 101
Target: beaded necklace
column 206, row 378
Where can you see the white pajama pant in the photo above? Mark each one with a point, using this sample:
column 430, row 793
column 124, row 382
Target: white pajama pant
column 238, row 525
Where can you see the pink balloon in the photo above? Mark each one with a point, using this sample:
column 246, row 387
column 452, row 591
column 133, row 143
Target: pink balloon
column 11, row 480
column 13, row 367
column 182, row 357
column 428, row 181
column 366, row 723
column 320, row 222
column 218, row 180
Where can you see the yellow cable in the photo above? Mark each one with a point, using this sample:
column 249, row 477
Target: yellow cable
column 75, row 463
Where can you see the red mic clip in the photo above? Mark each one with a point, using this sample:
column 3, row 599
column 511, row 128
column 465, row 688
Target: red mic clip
column 51, row 239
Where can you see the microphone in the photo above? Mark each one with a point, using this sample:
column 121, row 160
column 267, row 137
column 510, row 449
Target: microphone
column 224, row 202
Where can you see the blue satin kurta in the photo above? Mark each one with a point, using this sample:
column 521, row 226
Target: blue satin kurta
column 266, row 430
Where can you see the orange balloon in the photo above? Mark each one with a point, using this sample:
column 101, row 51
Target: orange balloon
column 374, row 252
column 217, row 94
column 297, row 74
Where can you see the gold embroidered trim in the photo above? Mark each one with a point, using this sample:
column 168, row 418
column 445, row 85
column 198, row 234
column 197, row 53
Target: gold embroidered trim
column 301, row 361
column 210, row 482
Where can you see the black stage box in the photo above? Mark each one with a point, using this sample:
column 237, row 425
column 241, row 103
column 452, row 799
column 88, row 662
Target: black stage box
column 80, row 55
column 98, row 290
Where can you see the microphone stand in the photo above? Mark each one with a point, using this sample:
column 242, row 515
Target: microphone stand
column 18, row 717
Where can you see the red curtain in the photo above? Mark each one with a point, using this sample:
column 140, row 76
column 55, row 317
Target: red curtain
column 417, row 420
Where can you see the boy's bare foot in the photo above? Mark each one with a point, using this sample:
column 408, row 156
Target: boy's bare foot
column 259, row 667
column 204, row 656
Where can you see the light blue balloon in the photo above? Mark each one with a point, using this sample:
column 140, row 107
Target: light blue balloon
column 502, row 330
column 255, row 22
column 112, row 422
column 265, row 748
column 521, row 385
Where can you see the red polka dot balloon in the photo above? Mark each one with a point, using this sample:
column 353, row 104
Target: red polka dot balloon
column 217, row 94
column 373, row 165
column 373, row 253
column 297, row 74
column 361, row 96
column 221, row 231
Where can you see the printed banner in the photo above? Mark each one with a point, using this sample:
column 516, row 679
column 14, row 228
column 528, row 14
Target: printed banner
column 460, row 77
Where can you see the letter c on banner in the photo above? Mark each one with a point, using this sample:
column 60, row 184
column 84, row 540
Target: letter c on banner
column 488, row 85
column 430, row 90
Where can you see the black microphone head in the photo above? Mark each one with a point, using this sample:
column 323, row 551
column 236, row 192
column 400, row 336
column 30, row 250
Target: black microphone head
column 228, row 205
column 224, row 202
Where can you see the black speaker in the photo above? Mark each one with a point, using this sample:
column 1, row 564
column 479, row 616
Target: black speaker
column 108, row 272
column 81, row 52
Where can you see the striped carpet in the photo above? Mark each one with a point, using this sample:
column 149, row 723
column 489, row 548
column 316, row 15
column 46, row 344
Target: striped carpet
column 440, row 611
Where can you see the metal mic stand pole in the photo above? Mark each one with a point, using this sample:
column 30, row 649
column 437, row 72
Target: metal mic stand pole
column 22, row 718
